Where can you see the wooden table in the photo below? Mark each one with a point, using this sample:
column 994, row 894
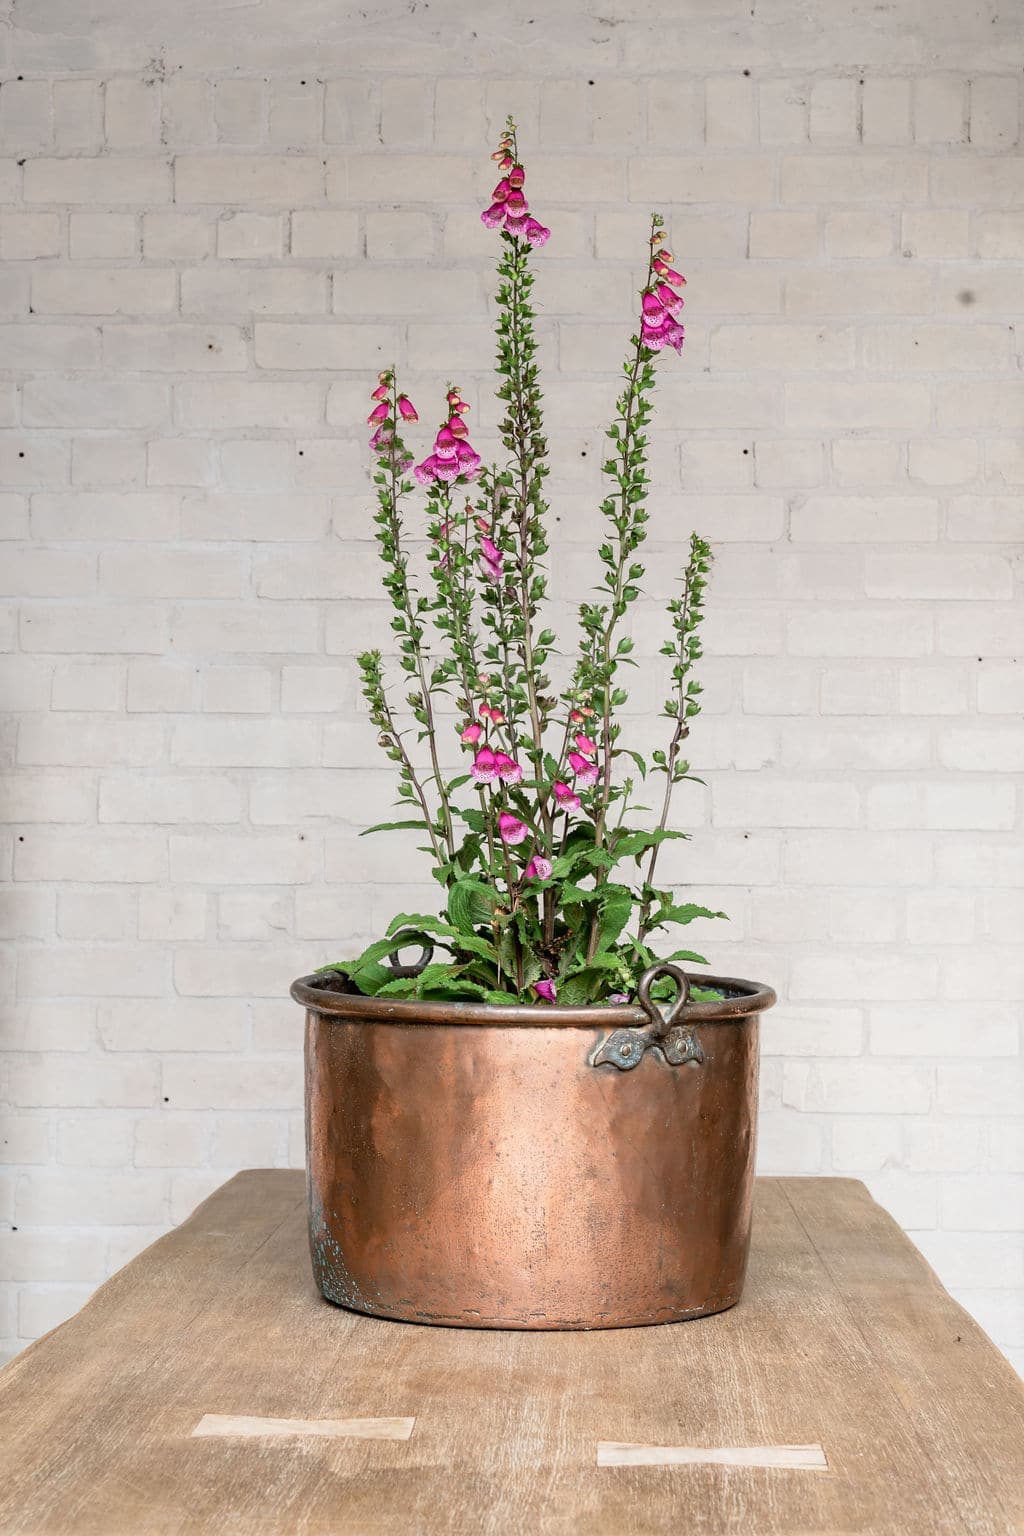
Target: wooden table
column 905, row 1417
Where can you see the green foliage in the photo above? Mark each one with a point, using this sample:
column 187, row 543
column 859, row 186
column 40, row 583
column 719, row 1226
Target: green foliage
column 567, row 897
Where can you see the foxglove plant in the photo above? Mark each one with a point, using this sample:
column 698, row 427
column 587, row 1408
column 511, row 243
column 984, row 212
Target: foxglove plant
column 550, row 890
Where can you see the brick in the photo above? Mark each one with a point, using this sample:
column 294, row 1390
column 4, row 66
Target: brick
column 986, row 519
column 834, row 111
column 829, row 404
column 729, row 111
column 70, row 629
column 789, row 347
column 244, row 744
column 886, row 111
column 989, row 749
column 710, row 179
column 991, row 406
column 175, row 348
column 352, row 112
column 316, row 689
column 46, row 797
column 863, row 178
column 296, row 111
column 107, row 182
column 273, row 291
column 130, row 116
column 108, row 461
column 1001, row 691
column 859, row 690
column 783, row 235
column 838, row 292
column 214, row 859
column 928, row 575
column 90, row 855
column 111, row 403
column 852, row 1087
column 973, row 180
column 401, row 179
column 870, row 520
column 782, row 112
column 77, row 114
column 935, row 232
column 94, row 1141
column 335, row 233
column 169, row 1141
column 238, row 690
column 861, row 233
column 89, row 515
column 198, row 1083
column 55, row 1197
column 906, row 1030
column 932, row 689
column 248, row 180
column 27, row 236
column 788, row 803
column 999, row 236
column 186, row 112
column 52, row 1256
column 172, row 915
column 165, row 799
column 88, row 685
column 25, row 116
column 239, row 110
column 263, row 517
column 221, row 404
column 980, row 1202
column 324, row 346
column 249, row 236
column 940, row 110
column 176, row 236
column 279, row 629
column 97, row 914
column 172, row 1025
column 943, row 461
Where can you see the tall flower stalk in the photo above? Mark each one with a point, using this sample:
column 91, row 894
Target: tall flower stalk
column 547, row 897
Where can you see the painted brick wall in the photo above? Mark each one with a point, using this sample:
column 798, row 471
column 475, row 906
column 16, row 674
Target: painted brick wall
column 215, row 223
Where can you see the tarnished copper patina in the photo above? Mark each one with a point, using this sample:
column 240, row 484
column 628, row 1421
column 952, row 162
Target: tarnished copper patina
column 535, row 1167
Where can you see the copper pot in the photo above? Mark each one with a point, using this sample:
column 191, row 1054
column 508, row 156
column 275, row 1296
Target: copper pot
column 531, row 1167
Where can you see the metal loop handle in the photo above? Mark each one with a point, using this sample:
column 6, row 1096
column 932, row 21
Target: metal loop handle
column 663, row 1022
column 404, row 937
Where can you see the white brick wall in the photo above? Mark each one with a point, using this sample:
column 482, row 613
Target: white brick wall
column 214, row 226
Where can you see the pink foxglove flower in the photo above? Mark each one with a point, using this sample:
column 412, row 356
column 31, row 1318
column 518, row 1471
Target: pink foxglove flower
column 670, row 300
column 509, row 208
column 497, row 718
column 406, row 409
column 511, row 829
column 471, row 734
column 567, row 798
column 484, row 769
column 585, row 745
column 380, row 393
column 379, row 413
column 453, row 457
column 618, row 997
column 507, row 768
column 546, row 990
column 586, row 773
column 382, row 438
column 538, row 868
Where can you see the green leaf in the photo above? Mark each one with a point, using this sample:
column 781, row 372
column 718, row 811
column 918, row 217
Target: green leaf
column 687, row 954
column 395, row 826
column 681, row 914
column 616, row 910
column 636, row 843
column 470, row 903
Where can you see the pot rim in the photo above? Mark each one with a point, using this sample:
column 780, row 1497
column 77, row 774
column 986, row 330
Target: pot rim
column 317, row 995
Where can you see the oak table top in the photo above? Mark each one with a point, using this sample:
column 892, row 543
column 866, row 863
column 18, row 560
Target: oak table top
column 207, row 1388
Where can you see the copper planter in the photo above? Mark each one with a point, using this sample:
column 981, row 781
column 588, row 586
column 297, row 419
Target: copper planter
column 536, row 1168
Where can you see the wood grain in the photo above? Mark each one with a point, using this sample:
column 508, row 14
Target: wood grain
column 796, row 1458
column 253, row 1427
column 844, row 1339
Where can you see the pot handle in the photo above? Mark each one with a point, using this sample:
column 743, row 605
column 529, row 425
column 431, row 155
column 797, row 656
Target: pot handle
column 623, row 1048
column 403, row 938
column 663, row 1022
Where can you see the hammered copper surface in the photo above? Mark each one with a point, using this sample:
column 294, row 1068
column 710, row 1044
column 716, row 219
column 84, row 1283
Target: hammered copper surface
column 477, row 1175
